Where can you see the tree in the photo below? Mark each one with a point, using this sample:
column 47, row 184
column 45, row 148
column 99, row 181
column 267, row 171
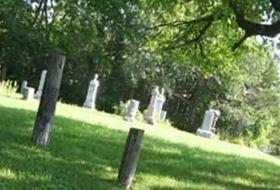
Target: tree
column 250, row 106
column 254, row 17
column 44, row 119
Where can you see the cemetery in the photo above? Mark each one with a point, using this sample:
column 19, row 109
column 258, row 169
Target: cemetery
column 139, row 95
column 93, row 142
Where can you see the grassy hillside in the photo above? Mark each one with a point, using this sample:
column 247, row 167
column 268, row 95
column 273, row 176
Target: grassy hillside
column 86, row 149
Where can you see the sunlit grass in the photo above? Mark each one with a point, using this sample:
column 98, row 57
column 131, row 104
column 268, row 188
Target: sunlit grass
column 86, row 149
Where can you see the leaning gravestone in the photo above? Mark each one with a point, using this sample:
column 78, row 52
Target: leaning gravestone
column 209, row 122
column 41, row 84
column 28, row 93
column 150, row 115
column 91, row 93
column 132, row 110
column 159, row 103
column 23, row 86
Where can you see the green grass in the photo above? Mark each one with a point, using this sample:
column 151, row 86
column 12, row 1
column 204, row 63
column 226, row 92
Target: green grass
column 86, row 149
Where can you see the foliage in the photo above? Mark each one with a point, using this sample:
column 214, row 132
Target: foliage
column 8, row 88
column 140, row 117
column 251, row 105
column 274, row 141
column 121, row 109
column 86, row 150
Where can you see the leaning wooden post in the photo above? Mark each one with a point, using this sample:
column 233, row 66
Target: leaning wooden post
column 43, row 123
column 130, row 157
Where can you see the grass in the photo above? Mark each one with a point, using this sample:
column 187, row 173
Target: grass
column 86, row 149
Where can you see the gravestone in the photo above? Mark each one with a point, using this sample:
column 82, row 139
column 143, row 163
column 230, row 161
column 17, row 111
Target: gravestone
column 159, row 103
column 132, row 110
column 23, row 86
column 41, row 85
column 209, row 122
column 163, row 115
column 150, row 115
column 28, row 93
column 91, row 93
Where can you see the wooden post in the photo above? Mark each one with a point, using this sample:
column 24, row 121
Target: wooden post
column 43, row 124
column 130, row 157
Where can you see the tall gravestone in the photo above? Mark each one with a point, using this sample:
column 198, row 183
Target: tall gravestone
column 91, row 93
column 23, row 86
column 159, row 103
column 132, row 110
column 209, row 122
column 41, row 85
column 150, row 115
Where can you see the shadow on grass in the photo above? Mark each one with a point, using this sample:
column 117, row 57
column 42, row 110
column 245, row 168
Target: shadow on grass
column 86, row 156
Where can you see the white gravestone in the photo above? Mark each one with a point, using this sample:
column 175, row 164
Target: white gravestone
column 159, row 103
column 41, row 84
column 28, row 93
column 209, row 122
column 132, row 110
column 23, row 86
column 91, row 93
column 151, row 111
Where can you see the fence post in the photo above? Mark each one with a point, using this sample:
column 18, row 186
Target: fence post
column 130, row 157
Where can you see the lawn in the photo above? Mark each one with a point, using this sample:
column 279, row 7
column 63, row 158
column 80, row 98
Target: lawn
column 86, row 149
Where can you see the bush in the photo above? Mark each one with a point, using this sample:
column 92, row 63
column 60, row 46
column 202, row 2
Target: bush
column 274, row 141
column 121, row 109
column 8, row 88
column 139, row 116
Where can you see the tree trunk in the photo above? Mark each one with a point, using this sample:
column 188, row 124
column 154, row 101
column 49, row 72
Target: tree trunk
column 45, row 114
column 114, row 90
column 3, row 72
column 191, row 114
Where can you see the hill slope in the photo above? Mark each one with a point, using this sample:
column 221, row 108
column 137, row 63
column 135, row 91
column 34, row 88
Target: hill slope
column 86, row 149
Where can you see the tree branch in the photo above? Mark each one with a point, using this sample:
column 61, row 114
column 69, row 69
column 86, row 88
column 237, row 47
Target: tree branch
column 181, row 23
column 239, row 43
column 197, row 38
column 209, row 22
column 275, row 4
column 252, row 28
column 38, row 11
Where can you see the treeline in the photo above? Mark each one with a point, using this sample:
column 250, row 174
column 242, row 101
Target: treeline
column 135, row 45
